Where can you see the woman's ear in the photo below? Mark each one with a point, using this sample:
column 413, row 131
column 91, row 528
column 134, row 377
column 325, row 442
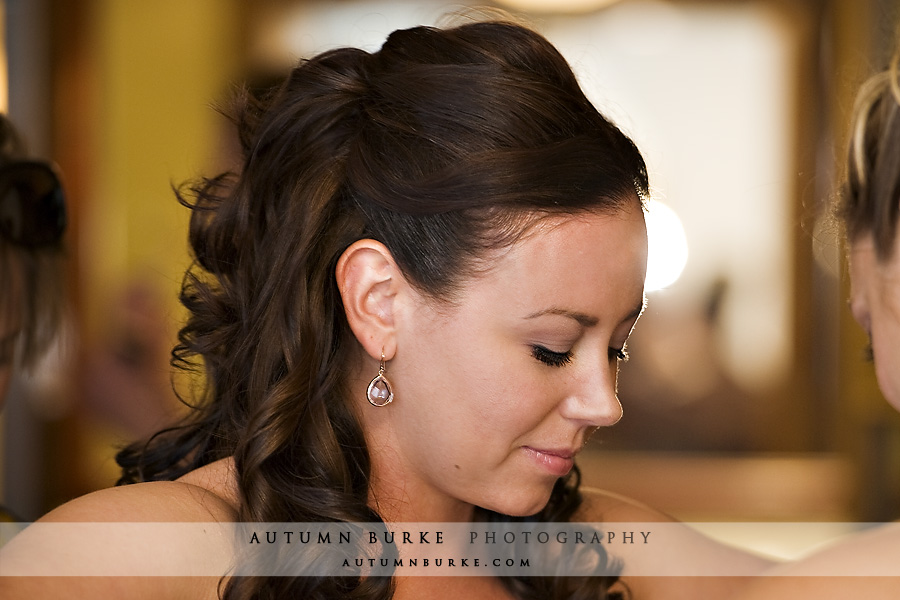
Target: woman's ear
column 369, row 280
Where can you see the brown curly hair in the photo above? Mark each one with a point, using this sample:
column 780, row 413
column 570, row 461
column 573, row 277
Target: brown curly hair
column 440, row 146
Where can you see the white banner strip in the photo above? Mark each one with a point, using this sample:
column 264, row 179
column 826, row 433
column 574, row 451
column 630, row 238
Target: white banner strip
column 403, row 549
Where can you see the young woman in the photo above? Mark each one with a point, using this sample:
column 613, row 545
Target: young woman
column 869, row 210
column 410, row 305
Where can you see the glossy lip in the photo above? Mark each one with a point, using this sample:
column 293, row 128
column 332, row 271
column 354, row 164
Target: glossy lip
column 557, row 462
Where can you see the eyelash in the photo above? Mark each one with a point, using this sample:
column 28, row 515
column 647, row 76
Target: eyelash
column 869, row 353
column 551, row 358
column 560, row 359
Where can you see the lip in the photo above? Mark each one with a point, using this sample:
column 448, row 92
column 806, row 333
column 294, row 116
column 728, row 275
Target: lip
column 558, row 462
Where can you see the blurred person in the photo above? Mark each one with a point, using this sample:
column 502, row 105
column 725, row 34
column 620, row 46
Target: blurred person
column 32, row 221
column 868, row 210
column 410, row 305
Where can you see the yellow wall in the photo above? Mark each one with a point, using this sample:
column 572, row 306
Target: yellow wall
column 159, row 66
column 155, row 70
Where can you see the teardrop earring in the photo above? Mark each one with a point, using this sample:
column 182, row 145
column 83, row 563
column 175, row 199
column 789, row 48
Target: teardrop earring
column 379, row 393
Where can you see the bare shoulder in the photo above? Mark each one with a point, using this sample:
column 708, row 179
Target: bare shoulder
column 862, row 565
column 206, row 494
column 658, row 554
column 124, row 537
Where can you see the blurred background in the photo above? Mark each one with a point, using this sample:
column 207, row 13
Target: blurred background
column 747, row 397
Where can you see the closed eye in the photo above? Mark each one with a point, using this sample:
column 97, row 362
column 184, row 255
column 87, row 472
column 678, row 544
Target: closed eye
column 551, row 358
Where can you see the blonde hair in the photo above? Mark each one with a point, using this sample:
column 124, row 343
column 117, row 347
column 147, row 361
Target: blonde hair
column 870, row 198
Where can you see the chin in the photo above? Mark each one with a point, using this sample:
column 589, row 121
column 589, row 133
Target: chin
column 521, row 503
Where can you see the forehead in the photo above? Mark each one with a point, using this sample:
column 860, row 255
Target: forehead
column 571, row 260
column 592, row 228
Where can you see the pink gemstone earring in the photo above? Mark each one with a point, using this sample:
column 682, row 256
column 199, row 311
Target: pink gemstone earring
column 379, row 392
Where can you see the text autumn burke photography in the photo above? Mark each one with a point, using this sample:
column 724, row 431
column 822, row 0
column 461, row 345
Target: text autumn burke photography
column 591, row 536
column 440, row 549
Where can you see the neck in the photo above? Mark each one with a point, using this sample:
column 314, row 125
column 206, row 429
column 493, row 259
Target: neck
column 396, row 489
column 400, row 498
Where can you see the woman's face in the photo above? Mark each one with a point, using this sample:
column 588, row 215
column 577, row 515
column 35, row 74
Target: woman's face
column 875, row 302
column 496, row 394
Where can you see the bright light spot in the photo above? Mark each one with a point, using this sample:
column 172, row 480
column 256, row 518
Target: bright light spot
column 668, row 247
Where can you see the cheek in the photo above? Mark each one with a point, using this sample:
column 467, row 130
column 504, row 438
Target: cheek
column 885, row 330
column 886, row 346
column 510, row 409
column 496, row 397
column 888, row 377
column 473, row 405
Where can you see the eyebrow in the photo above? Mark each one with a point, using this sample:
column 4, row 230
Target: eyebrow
column 583, row 319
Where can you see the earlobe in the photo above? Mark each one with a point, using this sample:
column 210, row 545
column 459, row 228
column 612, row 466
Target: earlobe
column 368, row 280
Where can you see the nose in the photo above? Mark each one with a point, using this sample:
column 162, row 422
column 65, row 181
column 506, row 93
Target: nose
column 592, row 399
